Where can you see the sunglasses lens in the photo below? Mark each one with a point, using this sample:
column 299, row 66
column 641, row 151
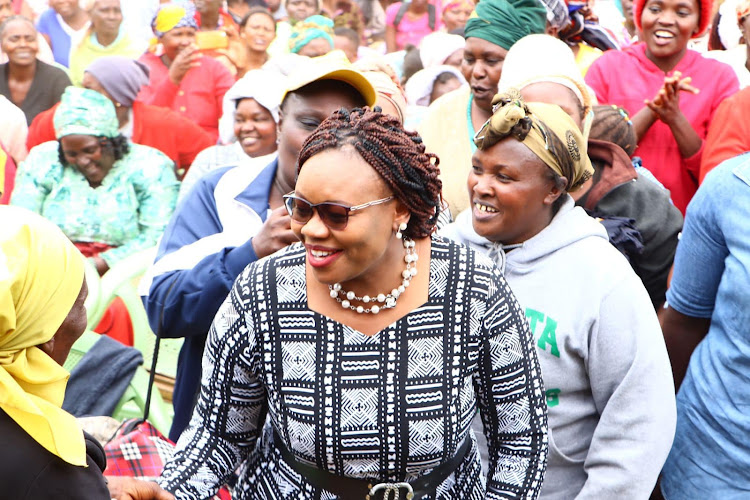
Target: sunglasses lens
column 334, row 216
column 299, row 210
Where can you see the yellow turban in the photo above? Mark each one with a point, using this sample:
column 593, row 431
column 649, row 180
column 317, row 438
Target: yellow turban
column 41, row 274
column 548, row 131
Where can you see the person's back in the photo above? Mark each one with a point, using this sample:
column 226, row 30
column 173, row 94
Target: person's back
column 706, row 333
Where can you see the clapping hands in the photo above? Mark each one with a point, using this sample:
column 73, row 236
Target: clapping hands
column 666, row 103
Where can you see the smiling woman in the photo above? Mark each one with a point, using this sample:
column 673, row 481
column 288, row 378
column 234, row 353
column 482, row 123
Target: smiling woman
column 103, row 38
column 30, row 84
column 597, row 335
column 247, row 129
column 680, row 87
column 357, row 316
column 110, row 197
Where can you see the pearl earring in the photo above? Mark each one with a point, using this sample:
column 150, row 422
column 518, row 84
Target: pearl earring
column 402, row 227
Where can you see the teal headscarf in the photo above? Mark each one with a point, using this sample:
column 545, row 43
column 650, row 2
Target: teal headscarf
column 85, row 112
column 504, row 22
column 313, row 27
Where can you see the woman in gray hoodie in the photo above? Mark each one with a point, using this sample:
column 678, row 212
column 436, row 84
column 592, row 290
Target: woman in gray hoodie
column 608, row 381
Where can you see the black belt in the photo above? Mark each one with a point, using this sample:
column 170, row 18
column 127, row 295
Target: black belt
column 349, row 488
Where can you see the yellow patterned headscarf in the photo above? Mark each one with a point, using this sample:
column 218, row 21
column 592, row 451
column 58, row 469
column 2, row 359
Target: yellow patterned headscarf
column 41, row 274
column 545, row 129
column 173, row 15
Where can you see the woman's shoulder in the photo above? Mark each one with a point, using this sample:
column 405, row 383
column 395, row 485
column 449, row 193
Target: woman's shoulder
column 44, row 156
column 140, row 153
column 49, row 70
column 286, row 265
column 466, row 263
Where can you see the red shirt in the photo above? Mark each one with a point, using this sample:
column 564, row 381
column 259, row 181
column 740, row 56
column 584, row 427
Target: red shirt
column 199, row 95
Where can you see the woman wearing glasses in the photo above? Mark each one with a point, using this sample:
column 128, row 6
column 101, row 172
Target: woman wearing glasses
column 369, row 345
column 234, row 216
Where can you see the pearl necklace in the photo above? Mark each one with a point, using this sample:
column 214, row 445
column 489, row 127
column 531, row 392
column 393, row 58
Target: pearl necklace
column 380, row 301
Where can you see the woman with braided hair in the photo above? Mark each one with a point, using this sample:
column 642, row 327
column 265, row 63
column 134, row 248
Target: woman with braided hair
column 606, row 372
column 369, row 345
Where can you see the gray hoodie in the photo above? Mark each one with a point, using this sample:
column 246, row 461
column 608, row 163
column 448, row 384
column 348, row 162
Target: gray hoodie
column 608, row 380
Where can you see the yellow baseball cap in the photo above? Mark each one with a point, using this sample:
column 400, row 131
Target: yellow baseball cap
column 332, row 66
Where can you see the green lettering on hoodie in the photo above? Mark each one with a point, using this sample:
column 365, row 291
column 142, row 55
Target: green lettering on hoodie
column 548, row 335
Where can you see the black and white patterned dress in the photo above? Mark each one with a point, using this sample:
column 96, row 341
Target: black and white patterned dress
column 391, row 406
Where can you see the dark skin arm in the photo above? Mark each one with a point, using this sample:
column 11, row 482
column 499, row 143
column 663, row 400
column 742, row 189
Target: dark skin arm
column 390, row 38
column 128, row 488
column 682, row 335
column 101, row 265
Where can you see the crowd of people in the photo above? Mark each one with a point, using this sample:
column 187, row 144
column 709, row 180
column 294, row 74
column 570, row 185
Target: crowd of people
column 426, row 248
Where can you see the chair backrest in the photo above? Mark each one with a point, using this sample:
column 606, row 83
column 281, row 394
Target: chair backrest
column 132, row 404
column 122, row 281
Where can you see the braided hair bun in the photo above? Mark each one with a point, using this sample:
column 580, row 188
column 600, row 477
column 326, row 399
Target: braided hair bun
column 397, row 155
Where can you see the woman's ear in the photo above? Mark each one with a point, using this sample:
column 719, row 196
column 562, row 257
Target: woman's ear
column 402, row 214
column 48, row 347
column 557, row 190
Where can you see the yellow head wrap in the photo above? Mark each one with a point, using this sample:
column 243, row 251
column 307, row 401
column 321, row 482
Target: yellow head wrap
column 545, row 129
column 41, row 274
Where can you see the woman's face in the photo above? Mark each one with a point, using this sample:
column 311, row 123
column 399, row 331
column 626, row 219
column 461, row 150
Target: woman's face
column 627, row 11
column 90, row 82
column 259, row 32
column 744, row 25
column 316, row 47
column 511, row 192
column 254, row 128
column 341, row 256
column 106, row 17
column 299, row 117
column 668, row 25
column 207, row 6
column 456, row 17
column 555, row 93
column 177, row 40
column 64, row 7
column 70, row 330
column 299, row 10
column 482, row 66
column 87, row 155
column 439, row 89
column 19, row 43
column 6, row 10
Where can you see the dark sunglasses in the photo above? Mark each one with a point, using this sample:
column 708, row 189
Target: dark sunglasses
column 334, row 215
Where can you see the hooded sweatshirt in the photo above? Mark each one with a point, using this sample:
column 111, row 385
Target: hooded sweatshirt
column 606, row 372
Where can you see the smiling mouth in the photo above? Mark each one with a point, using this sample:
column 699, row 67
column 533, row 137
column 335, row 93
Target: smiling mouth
column 321, row 254
column 663, row 35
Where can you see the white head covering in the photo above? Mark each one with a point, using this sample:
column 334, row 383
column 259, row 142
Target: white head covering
column 436, row 47
column 419, row 87
column 543, row 58
column 266, row 87
column 729, row 32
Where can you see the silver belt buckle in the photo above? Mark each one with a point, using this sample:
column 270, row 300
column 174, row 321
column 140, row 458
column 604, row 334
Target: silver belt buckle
column 389, row 488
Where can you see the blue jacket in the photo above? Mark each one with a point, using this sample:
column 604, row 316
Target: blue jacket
column 205, row 247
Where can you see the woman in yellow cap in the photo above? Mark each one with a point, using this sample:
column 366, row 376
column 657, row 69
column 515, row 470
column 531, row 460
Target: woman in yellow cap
column 45, row 454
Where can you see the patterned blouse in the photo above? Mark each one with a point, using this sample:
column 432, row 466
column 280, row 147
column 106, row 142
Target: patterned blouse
column 129, row 210
column 391, row 406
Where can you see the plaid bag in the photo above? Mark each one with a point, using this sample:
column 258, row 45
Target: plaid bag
column 137, row 450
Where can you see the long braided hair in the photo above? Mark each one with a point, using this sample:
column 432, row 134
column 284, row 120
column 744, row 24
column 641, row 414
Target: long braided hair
column 397, row 155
